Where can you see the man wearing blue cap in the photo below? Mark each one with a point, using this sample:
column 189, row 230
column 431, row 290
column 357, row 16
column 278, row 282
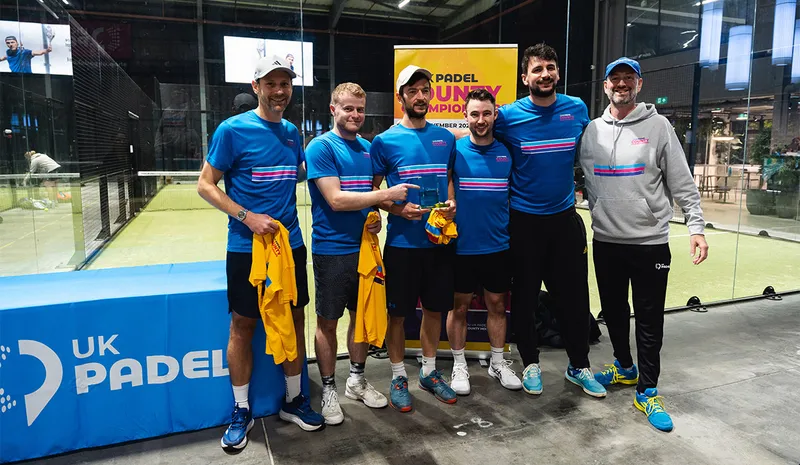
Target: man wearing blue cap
column 634, row 167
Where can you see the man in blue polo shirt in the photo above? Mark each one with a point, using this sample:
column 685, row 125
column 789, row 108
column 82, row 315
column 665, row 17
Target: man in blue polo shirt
column 260, row 155
column 420, row 153
column 19, row 58
column 340, row 175
column 480, row 179
column 548, row 237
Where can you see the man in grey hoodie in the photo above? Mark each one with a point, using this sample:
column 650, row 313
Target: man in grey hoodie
column 634, row 167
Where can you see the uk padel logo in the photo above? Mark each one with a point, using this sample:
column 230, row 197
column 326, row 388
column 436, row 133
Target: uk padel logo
column 640, row 141
column 37, row 400
column 290, row 142
column 366, row 154
column 566, row 117
column 123, row 373
column 439, row 143
column 501, row 159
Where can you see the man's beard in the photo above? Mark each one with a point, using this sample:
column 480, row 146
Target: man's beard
column 477, row 135
column 617, row 100
column 272, row 105
column 536, row 91
column 413, row 113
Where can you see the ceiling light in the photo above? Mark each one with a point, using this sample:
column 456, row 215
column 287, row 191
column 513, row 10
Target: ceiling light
column 403, row 3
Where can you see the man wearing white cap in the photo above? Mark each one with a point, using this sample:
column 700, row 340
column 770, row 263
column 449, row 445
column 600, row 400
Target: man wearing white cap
column 261, row 157
column 416, row 152
column 634, row 167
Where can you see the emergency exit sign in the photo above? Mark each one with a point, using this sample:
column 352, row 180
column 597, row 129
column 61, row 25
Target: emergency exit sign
column 661, row 100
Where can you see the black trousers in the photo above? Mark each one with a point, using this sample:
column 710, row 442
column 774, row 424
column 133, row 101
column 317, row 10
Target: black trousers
column 645, row 268
column 550, row 249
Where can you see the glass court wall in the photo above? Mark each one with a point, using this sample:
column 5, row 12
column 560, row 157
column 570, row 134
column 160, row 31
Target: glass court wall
column 129, row 93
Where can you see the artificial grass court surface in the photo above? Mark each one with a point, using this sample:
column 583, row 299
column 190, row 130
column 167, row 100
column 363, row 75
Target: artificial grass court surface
column 167, row 232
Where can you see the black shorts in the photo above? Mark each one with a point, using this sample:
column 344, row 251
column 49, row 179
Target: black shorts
column 419, row 274
column 491, row 272
column 336, row 282
column 243, row 297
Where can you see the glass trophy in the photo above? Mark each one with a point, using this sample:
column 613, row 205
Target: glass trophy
column 429, row 192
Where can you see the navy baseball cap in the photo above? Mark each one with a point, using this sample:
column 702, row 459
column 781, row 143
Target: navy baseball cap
column 623, row 61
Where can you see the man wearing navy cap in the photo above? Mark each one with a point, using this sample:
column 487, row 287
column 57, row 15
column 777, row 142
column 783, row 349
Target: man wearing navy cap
column 634, row 167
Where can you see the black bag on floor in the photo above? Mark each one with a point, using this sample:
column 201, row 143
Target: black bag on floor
column 548, row 328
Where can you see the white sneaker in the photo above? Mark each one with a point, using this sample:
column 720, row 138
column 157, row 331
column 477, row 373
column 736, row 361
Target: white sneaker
column 331, row 410
column 508, row 378
column 364, row 392
column 459, row 380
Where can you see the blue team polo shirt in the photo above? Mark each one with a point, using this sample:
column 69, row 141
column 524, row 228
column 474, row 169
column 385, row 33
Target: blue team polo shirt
column 260, row 161
column 542, row 141
column 403, row 155
column 480, row 175
column 338, row 233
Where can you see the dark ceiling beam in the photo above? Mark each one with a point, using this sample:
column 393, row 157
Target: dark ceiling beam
column 336, row 12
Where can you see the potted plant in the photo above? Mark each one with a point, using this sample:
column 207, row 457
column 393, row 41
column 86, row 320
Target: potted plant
column 787, row 181
column 760, row 201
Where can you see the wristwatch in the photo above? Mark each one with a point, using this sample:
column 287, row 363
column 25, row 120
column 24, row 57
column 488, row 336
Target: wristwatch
column 241, row 215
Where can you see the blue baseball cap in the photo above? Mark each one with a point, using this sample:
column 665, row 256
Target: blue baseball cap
column 623, row 61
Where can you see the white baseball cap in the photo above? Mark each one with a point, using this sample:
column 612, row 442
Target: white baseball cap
column 409, row 71
column 268, row 65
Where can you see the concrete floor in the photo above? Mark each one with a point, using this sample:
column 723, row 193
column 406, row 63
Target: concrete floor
column 729, row 379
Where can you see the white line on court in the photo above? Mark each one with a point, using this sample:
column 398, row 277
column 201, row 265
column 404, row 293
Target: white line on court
column 266, row 439
column 39, row 229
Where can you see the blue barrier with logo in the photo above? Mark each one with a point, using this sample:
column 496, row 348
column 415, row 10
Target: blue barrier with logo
column 93, row 358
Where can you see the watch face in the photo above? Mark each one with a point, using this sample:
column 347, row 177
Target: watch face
column 241, row 215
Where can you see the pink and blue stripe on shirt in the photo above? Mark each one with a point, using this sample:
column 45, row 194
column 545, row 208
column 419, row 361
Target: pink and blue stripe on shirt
column 621, row 170
column 483, row 184
column 356, row 183
column 275, row 173
column 548, row 146
column 415, row 171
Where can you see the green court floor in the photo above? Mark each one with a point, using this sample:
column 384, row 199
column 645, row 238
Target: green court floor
column 738, row 265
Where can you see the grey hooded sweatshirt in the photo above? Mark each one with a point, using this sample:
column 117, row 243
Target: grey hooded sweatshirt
column 634, row 167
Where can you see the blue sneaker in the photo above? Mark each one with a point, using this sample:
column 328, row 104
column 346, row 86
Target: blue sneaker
column 653, row 406
column 584, row 378
column 436, row 385
column 615, row 374
column 532, row 379
column 399, row 398
column 235, row 436
column 299, row 412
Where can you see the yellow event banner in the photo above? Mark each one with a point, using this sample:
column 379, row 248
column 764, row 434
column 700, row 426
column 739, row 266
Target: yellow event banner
column 458, row 69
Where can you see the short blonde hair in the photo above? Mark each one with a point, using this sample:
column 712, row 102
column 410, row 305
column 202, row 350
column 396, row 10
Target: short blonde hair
column 347, row 88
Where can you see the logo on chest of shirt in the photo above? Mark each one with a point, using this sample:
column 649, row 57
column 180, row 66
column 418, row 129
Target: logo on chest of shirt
column 276, row 248
column 547, row 146
column 640, row 141
column 566, row 117
column 290, row 142
column 502, row 159
column 439, row 143
column 274, row 173
column 366, row 154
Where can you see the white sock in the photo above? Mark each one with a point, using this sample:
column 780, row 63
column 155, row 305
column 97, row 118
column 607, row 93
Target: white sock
column 428, row 365
column 240, row 396
column 399, row 369
column 458, row 356
column 497, row 355
column 292, row 387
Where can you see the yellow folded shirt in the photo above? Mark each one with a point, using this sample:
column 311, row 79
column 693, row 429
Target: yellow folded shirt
column 371, row 319
column 440, row 230
column 273, row 265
